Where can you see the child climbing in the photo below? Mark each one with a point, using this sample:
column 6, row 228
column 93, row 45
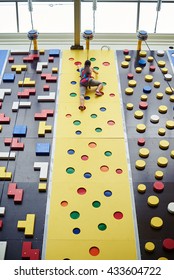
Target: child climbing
column 88, row 81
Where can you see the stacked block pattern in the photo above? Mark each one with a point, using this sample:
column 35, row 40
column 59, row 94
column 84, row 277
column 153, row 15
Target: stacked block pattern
column 24, row 155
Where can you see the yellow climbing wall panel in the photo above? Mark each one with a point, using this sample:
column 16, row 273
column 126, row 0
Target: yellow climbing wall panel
column 91, row 213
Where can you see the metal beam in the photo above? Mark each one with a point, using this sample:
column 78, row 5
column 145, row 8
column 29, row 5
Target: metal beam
column 77, row 25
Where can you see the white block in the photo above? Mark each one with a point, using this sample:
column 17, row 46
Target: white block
column 3, row 246
column 3, row 92
column 47, row 98
column 41, row 65
column 2, row 211
column 43, row 167
column 7, row 155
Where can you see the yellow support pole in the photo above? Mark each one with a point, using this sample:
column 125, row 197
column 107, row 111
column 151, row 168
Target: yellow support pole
column 35, row 45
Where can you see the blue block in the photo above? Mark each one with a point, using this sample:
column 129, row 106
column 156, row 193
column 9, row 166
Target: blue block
column 8, row 77
column 20, row 131
column 54, row 52
column 42, row 149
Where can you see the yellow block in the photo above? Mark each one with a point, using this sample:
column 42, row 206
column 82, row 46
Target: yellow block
column 27, row 83
column 5, row 175
column 44, row 128
column 89, row 217
column 42, row 187
column 19, row 68
column 27, row 225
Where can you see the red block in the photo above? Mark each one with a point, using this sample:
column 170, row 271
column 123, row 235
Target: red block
column 1, row 224
column 11, row 189
column 18, row 196
column 3, row 119
column 0, row 105
column 51, row 59
column 48, row 77
column 44, row 114
column 14, row 192
column 26, row 93
column 29, row 253
column 30, row 57
column 14, row 144
column 46, row 87
column 11, row 59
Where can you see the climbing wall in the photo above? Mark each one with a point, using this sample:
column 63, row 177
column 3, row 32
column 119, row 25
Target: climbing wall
column 146, row 79
column 91, row 185
column 91, row 212
column 28, row 94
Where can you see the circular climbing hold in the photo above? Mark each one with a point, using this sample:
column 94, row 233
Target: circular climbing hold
column 172, row 98
column 129, row 91
column 161, row 63
column 138, row 69
column 149, row 246
column 126, row 51
column 161, row 131
column 125, row 64
column 168, row 77
column 153, row 201
column 169, row 90
column 141, row 141
column 148, row 78
column 141, row 188
column 159, row 175
column 140, row 164
column 158, row 186
column 164, row 70
column 144, row 97
column 159, row 95
column 142, row 53
column 132, row 83
column 147, row 89
column 162, row 161
column 156, row 84
column 141, row 128
column 143, row 105
column 160, row 53
column 127, row 57
column 154, row 119
column 164, row 144
column 138, row 114
column 150, row 58
column 172, row 154
column 142, row 62
column 162, row 109
column 170, row 207
column 156, row 222
column 168, row 244
column 144, row 152
column 129, row 106
column 130, row 76
column 152, row 68
column 170, row 124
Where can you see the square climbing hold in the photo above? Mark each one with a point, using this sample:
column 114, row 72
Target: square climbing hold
column 20, row 131
column 54, row 52
column 8, row 77
column 42, row 149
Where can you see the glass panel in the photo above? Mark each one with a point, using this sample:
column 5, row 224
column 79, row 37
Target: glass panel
column 165, row 19
column 47, row 17
column 147, row 17
column 115, row 18
column 8, row 17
